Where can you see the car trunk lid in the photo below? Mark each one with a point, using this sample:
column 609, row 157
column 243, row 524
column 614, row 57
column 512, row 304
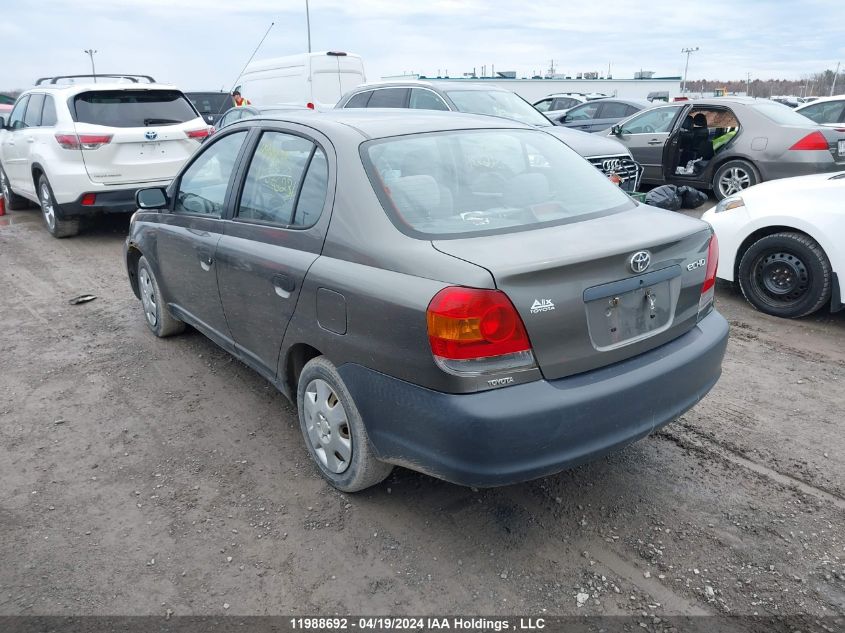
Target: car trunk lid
column 574, row 286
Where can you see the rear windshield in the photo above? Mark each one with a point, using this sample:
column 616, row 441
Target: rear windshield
column 473, row 182
column 133, row 108
column 211, row 102
column 781, row 114
column 497, row 103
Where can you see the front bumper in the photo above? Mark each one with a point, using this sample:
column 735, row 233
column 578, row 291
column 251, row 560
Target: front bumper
column 112, row 201
column 536, row 429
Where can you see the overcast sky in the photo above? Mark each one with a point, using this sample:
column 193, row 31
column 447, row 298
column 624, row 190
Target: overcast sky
column 203, row 44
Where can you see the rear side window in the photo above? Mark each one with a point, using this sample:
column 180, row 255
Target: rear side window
column 203, row 186
column 780, row 114
column 48, row 114
column 613, row 111
column 830, row 112
column 286, row 182
column 33, row 111
column 544, row 105
column 133, row 108
column 389, row 98
column 359, row 100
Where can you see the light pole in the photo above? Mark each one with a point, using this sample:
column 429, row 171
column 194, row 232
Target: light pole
column 688, row 51
column 90, row 52
column 308, row 24
column 835, row 75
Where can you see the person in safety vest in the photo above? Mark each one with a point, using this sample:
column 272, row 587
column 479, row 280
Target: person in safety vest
column 239, row 100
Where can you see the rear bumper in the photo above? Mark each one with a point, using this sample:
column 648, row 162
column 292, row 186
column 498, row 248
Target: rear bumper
column 811, row 165
column 113, row 201
column 535, row 429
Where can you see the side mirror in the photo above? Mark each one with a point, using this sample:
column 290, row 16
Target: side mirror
column 616, row 130
column 2, row 123
column 151, row 198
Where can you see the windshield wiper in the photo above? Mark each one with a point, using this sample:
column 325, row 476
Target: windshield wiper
column 160, row 121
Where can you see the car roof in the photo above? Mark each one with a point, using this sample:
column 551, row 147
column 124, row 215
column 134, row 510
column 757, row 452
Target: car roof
column 72, row 89
column 822, row 100
column 385, row 122
column 442, row 85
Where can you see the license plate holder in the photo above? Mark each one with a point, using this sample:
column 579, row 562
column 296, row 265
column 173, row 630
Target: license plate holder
column 624, row 317
column 152, row 149
column 841, row 149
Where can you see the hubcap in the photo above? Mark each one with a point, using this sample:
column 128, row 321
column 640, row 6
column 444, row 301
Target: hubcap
column 327, row 426
column 782, row 277
column 733, row 181
column 148, row 297
column 47, row 206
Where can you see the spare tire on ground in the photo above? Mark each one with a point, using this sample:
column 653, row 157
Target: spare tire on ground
column 665, row 197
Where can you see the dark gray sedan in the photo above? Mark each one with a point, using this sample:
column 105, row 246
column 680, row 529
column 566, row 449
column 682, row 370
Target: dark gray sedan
column 595, row 116
column 461, row 295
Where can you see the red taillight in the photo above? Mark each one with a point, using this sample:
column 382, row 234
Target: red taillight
column 310, row 105
column 712, row 264
column 82, row 141
column 470, row 323
column 813, row 141
column 201, row 133
column 88, row 199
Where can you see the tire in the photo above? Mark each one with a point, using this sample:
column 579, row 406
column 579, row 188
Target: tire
column 50, row 210
column 13, row 201
column 786, row 275
column 336, row 439
column 156, row 315
column 733, row 177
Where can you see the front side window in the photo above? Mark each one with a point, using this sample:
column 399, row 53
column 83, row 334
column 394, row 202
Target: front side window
column 203, row 186
column 583, row 113
column 544, row 105
column 499, row 103
column 16, row 118
column 286, row 181
column 422, row 99
column 133, row 108
column 657, row 121
column 472, row 182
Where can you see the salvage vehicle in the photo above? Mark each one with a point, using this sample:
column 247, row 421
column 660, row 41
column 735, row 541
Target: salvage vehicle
column 211, row 105
column 461, row 295
column 781, row 242
column 612, row 159
column 599, row 115
column 83, row 149
column 728, row 144
column 559, row 103
column 825, row 111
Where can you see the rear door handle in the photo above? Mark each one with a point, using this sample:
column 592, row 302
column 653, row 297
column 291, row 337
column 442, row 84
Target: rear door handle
column 655, row 141
column 283, row 285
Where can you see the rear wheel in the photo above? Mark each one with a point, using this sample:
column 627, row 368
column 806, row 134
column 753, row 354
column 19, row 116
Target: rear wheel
column 733, row 177
column 57, row 225
column 785, row 275
column 156, row 314
column 13, row 201
column 334, row 431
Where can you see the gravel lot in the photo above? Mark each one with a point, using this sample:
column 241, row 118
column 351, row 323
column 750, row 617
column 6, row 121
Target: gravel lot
column 146, row 476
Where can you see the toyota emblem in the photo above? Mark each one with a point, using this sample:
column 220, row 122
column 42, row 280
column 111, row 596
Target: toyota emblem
column 611, row 164
column 640, row 261
column 151, row 136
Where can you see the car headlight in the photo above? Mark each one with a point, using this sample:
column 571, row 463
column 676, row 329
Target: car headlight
column 727, row 204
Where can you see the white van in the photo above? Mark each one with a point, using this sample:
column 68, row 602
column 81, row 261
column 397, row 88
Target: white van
column 316, row 80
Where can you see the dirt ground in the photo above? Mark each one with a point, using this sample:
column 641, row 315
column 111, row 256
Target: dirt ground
column 146, row 476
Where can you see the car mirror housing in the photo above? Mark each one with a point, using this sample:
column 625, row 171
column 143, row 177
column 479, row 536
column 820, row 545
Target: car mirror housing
column 151, row 198
column 2, row 123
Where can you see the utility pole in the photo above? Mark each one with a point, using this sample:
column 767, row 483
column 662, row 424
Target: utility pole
column 308, row 24
column 835, row 75
column 747, row 84
column 688, row 52
column 90, row 52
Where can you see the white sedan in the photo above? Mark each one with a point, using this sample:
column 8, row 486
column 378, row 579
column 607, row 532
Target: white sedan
column 783, row 242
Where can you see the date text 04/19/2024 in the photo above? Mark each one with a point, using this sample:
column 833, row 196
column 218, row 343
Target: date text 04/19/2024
column 416, row 623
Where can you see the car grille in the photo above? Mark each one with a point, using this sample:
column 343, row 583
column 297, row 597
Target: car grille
column 624, row 166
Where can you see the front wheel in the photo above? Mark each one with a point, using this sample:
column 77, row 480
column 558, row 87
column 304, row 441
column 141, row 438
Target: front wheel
column 57, row 225
column 785, row 275
column 334, row 431
column 156, row 314
column 733, row 177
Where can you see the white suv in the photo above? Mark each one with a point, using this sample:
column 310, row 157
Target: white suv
column 82, row 149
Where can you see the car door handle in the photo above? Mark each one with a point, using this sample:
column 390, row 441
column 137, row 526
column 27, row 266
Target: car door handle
column 30, row 140
column 206, row 261
column 283, row 285
column 655, row 141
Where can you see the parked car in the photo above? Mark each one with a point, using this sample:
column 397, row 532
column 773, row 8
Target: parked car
column 781, row 241
column 461, row 295
column 211, row 105
column 596, row 116
column 613, row 159
column 561, row 102
column 238, row 113
column 825, row 111
column 315, row 80
column 82, row 149
column 728, row 144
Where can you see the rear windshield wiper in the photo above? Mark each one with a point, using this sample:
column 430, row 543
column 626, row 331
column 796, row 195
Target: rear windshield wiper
column 160, row 121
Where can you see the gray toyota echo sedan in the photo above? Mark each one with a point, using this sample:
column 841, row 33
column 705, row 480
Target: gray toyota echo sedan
column 457, row 294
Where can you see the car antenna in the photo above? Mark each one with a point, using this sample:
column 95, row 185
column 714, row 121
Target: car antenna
column 240, row 74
